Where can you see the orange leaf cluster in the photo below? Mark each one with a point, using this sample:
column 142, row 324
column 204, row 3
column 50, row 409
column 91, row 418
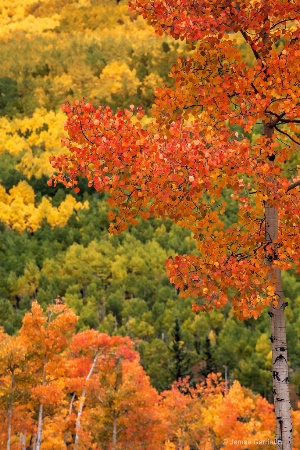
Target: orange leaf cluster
column 188, row 164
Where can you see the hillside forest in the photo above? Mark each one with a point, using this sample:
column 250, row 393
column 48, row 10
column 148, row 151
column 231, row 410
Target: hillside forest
column 97, row 348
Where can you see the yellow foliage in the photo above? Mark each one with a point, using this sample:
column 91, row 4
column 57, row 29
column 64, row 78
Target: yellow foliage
column 170, row 446
column 62, row 83
column 153, row 80
column 27, row 284
column 34, row 18
column 262, row 348
column 9, row 140
column 18, row 209
column 212, row 338
column 14, row 17
column 116, row 78
column 36, row 137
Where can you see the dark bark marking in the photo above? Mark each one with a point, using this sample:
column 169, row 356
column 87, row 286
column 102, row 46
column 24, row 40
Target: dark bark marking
column 280, row 424
column 275, row 375
column 281, row 349
column 280, row 358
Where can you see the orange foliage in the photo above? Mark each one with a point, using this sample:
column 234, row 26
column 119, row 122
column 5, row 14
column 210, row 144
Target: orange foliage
column 189, row 156
column 49, row 364
column 206, row 417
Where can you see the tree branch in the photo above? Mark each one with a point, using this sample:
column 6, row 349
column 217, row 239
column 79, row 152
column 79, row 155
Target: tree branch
column 281, row 117
column 286, row 134
column 290, row 120
column 255, row 53
column 276, row 121
column 293, row 185
column 85, row 134
column 282, row 21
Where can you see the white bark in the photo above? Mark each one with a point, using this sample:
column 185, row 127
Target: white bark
column 279, row 347
column 114, row 436
column 70, row 412
column 280, row 370
column 81, row 404
column 40, row 428
column 9, row 427
column 23, row 441
column 38, row 441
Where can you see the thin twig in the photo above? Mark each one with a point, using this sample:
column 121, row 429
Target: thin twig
column 286, row 134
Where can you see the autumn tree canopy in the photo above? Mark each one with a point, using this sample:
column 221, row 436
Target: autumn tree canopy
column 188, row 161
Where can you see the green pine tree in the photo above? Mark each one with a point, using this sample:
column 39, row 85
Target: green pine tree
column 208, row 358
column 180, row 362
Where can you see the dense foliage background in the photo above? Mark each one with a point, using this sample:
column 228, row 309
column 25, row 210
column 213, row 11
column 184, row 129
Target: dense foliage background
column 55, row 243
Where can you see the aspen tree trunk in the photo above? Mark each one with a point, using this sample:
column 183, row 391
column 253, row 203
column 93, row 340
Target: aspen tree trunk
column 70, row 412
column 40, row 428
column 38, row 441
column 23, row 440
column 181, row 440
column 114, row 436
column 278, row 338
column 9, row 427
column 279, row 349
column 83, row 395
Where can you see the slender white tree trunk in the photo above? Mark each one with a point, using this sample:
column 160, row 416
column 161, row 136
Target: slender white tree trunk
column 38, row 441
column 70, row 412
column 114, row 436
column 40, row 428
column 9, row 427
column 279, row 347
column 81, row 404
column 23, row 440
column 280, row 369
